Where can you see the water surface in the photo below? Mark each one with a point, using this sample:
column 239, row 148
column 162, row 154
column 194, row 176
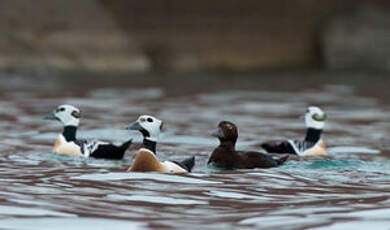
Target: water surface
column 44, row 191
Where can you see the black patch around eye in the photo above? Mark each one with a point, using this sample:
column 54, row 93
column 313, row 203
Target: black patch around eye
column 150, row 119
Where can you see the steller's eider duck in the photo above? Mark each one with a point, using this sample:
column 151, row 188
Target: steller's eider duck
column 146, row 159
column 312, row 145
column 68, row 144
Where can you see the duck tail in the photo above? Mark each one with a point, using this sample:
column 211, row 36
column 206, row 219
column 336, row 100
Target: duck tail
column 282, row 159
column 189, row 163
column 126, row 145
column 121, row 150
column 186, row 164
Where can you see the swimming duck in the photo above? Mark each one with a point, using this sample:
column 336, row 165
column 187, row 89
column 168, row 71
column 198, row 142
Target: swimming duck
column 225, row 156
column 312, row 145
column 67, row 143
column 146, row 159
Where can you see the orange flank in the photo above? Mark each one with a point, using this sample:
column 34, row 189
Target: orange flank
column 146, row 161
column 318, row 150
column 67, row 148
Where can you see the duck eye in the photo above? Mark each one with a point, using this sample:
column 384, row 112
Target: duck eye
column 150, row 119
column 60, row 110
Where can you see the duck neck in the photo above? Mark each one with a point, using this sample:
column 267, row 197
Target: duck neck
column 70, row 133
column 313, row 135
column 151, row 145
column 227, row 145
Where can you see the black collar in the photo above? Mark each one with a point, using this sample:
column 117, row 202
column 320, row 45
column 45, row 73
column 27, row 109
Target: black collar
column 151, row 145
column 313, row 135
column 70, row 133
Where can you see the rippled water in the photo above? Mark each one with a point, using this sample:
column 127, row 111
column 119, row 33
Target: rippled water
column 40, row 190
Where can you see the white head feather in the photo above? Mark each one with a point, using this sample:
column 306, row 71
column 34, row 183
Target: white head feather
column 68, row 115
column 152, row 125
column 315, row 118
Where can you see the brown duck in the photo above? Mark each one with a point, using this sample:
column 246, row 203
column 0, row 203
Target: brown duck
column 225, row 156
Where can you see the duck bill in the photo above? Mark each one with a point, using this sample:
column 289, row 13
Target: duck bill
column 135, row 126
column 51, row 117
column 218, row 133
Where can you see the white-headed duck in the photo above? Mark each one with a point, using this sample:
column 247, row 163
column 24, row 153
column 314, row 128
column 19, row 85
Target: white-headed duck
column 146, row 159
column 312, row 145
column 68, row 144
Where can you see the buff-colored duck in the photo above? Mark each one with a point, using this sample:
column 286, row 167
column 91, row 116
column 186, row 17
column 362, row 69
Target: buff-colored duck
column 146, row 159
column 68, row 144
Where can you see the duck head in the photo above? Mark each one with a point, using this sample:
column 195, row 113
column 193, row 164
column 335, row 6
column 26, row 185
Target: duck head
column 227, row 133
column 149, row 126
column 315, row 118
column 68, row 115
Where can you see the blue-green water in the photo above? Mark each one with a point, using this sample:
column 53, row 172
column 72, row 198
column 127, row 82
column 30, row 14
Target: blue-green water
column 39, row 190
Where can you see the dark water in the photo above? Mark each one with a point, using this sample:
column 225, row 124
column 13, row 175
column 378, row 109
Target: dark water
column 44, row 191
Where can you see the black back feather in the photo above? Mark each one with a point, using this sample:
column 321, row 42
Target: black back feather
column 110, row 151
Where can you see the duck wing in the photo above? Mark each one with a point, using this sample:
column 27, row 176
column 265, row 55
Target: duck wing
column 100, row 149
column 287, row 146
column 278, row 147
column 258, row 160
column 300, row 146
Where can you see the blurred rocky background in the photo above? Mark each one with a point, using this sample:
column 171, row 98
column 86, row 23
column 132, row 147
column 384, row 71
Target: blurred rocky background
column 178, row 35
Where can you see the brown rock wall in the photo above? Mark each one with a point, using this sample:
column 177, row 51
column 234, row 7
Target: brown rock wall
column 132, row 35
